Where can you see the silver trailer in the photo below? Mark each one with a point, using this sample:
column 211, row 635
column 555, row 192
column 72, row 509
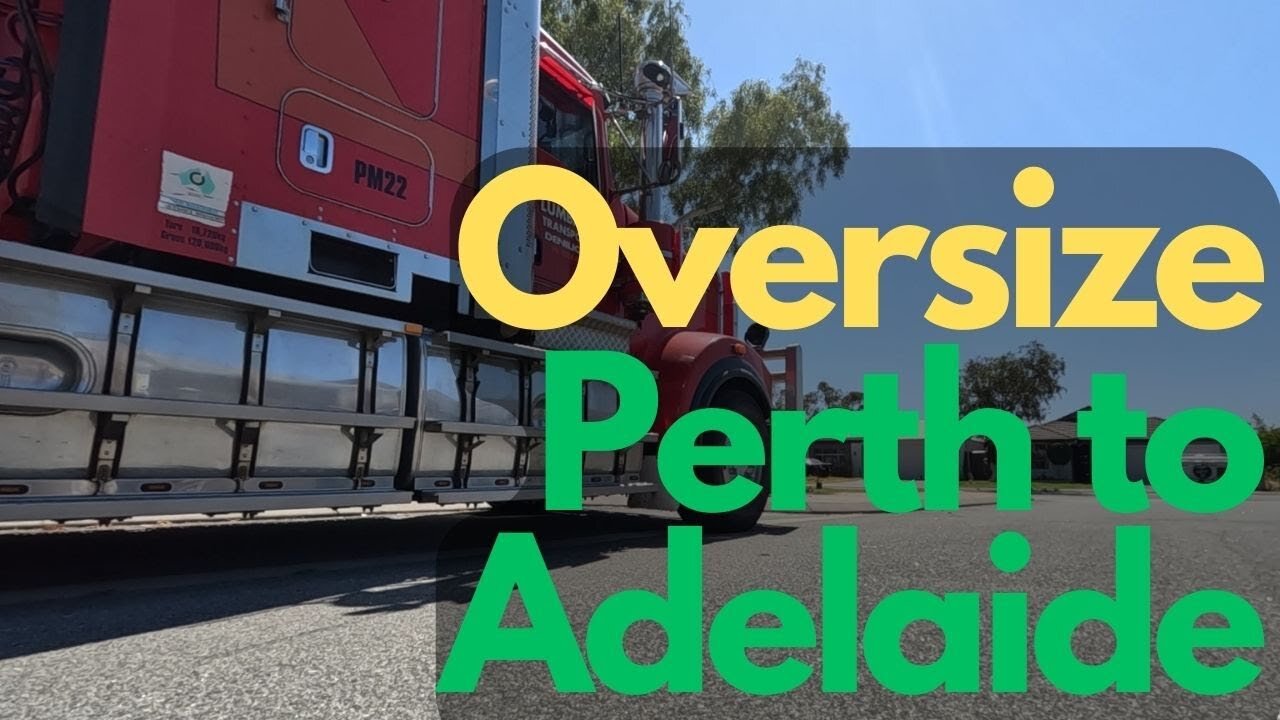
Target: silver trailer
column 127, row 392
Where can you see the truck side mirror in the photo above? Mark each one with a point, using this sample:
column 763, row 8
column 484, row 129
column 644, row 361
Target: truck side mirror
column 673, row 153
column 757, row 336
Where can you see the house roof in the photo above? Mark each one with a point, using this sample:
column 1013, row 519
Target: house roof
column 1065, row 427
column 1051, row 431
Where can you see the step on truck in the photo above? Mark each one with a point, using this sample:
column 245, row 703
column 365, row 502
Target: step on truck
column 228, row 265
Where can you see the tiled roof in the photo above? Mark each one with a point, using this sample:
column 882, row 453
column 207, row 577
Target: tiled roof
column 1056, row 430
column 1064, row 428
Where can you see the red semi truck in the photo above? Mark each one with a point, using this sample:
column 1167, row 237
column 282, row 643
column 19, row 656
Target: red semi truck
column 228, row 279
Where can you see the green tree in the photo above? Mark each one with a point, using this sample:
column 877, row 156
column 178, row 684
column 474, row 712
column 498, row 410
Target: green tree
column 612, row 37
column 771, row 144
column 1270, row 437
column 1022, row 382
column 829, row 396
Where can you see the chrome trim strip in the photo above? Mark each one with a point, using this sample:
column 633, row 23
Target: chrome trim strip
column 483, row 430
column 508, row 122
column 448, row 497
column 493, row 346
column 109, row 507
column 181, row 408
column 58, row 263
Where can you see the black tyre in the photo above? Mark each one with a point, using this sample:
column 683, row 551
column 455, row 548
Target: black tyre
column 745, row 518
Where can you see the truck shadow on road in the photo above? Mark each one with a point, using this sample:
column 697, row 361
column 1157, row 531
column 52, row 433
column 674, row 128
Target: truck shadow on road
column 66, row 589
column 461, row 556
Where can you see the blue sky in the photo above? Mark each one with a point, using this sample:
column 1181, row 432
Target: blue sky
column 1015, row 73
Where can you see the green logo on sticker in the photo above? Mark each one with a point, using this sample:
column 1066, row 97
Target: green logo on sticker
column 198, row 179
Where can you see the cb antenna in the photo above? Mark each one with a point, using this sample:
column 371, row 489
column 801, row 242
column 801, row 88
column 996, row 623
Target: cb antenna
column 622, row 65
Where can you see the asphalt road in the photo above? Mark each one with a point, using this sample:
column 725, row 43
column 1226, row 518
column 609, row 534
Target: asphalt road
column 349, row 618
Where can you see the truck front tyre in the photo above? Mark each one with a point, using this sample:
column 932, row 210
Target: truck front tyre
column 744, row 518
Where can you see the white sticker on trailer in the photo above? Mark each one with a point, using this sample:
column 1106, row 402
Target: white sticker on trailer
column 194, row 190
